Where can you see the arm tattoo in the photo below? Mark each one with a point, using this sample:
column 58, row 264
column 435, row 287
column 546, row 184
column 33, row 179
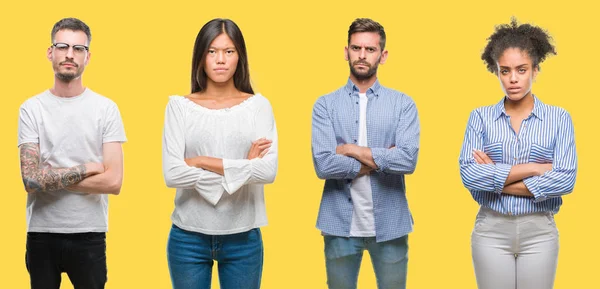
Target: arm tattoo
column 37, row 179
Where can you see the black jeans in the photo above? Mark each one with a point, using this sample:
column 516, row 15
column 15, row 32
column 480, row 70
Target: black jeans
column 81, row 255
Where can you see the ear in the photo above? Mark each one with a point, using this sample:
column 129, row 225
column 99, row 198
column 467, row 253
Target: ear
column 87, row 58
column 49, row 53
column 535, row 71
column 346, row 53
column 383, row 57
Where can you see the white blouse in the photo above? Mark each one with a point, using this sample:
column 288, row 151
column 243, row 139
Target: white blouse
column 207, row 202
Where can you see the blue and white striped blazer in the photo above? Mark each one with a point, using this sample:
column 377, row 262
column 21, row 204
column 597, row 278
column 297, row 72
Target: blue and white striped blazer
column 546, row 136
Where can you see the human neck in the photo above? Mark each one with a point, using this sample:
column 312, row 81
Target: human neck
column 363, row 84
column 67, row 89
column 523, row 106
column 226, row 89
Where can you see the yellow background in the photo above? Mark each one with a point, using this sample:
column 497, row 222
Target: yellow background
column 141, row 54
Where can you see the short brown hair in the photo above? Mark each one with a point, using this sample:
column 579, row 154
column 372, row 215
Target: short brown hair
column 367, row 25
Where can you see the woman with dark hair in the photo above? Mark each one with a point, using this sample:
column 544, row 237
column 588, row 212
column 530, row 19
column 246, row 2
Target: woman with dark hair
column 518, row 158
column 219, row 149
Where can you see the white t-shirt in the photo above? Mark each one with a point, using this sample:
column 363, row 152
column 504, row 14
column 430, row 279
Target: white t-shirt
column 207, row 202
column 363, row 221
column 70, row 132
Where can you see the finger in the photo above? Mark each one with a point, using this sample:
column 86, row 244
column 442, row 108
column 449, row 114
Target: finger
column 487, row 159
column 264, row 146
column 478, row 159
column 263, row 153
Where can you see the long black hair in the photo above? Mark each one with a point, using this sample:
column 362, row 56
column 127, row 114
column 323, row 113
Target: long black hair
column 207, row 34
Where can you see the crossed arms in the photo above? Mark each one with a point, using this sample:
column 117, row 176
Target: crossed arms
column 347, row 161
column 536, row 180
column 93, row 178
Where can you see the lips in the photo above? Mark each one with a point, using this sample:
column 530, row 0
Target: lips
column 514, row 89
column 68, row 64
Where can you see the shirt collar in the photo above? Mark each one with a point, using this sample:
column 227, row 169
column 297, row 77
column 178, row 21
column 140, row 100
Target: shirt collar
column 538, row 108
column 374, row 89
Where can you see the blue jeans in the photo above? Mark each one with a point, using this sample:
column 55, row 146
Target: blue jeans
column 343, row 256
column 191, row 256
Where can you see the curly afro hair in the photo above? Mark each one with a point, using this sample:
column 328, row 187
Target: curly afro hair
column 532, row 39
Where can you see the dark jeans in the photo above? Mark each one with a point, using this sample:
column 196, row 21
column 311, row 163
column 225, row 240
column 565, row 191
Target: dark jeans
column 81, row 255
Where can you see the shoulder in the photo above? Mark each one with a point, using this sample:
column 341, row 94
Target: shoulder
column 330, row 98
column 100, row 101
column 259, row 102
column 33, row 102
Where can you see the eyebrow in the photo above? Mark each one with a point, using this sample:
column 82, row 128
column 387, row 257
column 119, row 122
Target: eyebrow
column 229, row 47
column 518, row 66
column 356, row 45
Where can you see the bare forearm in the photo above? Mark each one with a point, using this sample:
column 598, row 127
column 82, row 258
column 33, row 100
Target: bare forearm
column 214, row 165
column 365, row 156
column 36, row 179
column 517, row 189
column 519, row 172
column 108, row 182
column 361, row 154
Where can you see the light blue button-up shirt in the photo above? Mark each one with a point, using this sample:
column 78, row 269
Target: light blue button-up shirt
column 393, row 137
column 546, row 136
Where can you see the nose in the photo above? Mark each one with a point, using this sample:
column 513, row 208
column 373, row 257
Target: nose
column 70, row 52
column 220, row 57
column 363, row 53
column 513, row 77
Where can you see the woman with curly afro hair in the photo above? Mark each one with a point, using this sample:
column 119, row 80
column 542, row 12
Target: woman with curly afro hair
column 518, row 159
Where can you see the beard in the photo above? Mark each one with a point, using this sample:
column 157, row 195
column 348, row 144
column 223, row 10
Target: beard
column 67, row 76
column 363, row 75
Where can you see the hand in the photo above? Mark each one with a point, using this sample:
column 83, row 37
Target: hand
column 481, row 158
column 347, row 150
column 259, row 148
column 542, row 168
column 94, row 169
column 364, row 170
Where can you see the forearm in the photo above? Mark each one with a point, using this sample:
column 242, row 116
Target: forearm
column 53, row 179
column 517, row 189
column 335, row 166
column 212, row 164
column 36, row 179
column 520, row 172
column 108, row 182
column 363, row 155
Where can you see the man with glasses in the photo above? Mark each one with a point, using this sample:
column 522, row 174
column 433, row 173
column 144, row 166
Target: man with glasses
column 71, row 159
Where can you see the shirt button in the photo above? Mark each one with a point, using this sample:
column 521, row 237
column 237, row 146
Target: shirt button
column 357, row 121
column 354, row 140
column 357, row 102
column 349, row 199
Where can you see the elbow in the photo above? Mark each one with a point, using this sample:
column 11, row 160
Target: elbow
column 321, row 173
column 115, row 188
column 31, row 186
column 170, row 179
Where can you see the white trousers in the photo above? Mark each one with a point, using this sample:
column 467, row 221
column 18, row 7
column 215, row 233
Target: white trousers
column 514, row 252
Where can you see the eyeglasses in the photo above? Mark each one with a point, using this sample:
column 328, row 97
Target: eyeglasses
column 64, row 48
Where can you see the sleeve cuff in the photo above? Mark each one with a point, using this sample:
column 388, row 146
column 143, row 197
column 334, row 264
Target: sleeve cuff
column 500, row 175
column 532, row 185
column 354, row 169
column 379, row 158
column 210, row 188
column 236, row 174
